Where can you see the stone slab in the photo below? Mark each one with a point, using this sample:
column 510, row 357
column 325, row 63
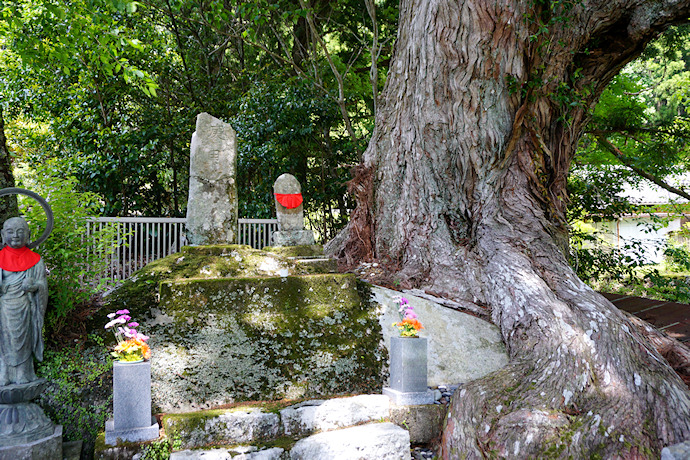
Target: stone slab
column 423, row 422
column 317, row 415
column 373, row 441
column 409, row 398
column 114, row 436
column 274, row 453
column 222, row 427
column 49, row 448
column 461, row 347
column 238, row 339
column 126, row 451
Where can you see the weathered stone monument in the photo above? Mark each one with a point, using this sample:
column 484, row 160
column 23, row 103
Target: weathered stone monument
column 212, row 202
column 25, row 431
column 290, row 213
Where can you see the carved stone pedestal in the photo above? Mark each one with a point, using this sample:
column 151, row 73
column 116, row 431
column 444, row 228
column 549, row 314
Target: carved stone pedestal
column 25, row 431
column 408, row 372
column 132, row 419
column 293, row 238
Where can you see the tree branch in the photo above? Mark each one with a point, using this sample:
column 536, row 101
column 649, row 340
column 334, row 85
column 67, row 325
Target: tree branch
column 334, row 69
column 606, row 144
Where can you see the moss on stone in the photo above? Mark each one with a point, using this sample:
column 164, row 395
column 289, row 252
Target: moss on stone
column 314, row 250
column 225, row 328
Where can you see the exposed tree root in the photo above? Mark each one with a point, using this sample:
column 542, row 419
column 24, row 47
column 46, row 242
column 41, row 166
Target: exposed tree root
column 675, row 352
column 354, row 244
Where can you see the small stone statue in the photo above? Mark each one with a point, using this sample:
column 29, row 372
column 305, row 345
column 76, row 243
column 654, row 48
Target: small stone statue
column 290, row 213
column 23, row 301
column 25, row 430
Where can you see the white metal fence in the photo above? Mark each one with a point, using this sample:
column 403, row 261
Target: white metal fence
column 140, row 240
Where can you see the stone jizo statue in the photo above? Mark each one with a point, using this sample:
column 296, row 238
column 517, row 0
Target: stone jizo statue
column 23, row 301
column 290, row 213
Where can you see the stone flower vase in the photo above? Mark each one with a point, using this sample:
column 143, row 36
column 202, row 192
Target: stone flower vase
column 132, row 420
column 408, row 372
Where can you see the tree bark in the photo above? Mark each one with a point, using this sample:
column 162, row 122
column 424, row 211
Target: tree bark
column 462, row 192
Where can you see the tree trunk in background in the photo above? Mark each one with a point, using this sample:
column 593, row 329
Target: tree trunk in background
column 8, row 204
column 462, row 192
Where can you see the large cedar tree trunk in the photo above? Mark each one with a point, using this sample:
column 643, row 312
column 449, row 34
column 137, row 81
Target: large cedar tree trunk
column 462, row 192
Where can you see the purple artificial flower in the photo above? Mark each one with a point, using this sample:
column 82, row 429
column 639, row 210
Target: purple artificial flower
column 133, row 324
column 122, row 312
column 403, row 301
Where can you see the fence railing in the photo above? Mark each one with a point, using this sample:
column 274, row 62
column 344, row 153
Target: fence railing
column 140, row 240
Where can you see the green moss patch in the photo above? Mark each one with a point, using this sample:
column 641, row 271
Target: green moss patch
column 267, row 338
column 225, row 328
column 297, row 251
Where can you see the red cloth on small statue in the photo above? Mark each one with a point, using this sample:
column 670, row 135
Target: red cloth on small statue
column 17, row 260
column 289, row 200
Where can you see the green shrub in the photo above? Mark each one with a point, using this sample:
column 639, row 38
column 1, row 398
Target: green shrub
column 677, row 257
column 161, row 449
column 75, row 259
column 80, row 392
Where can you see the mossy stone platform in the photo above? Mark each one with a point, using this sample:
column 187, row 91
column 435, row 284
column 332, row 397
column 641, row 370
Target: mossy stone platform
column 224, row 327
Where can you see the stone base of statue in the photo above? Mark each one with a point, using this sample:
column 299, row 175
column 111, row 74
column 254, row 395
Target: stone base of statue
column 25, row 431
column 48, row 448
column 293, row 238
column 408, row 372
column 132, row 421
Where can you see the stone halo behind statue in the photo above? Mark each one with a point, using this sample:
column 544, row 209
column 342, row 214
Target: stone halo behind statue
column 44, row 204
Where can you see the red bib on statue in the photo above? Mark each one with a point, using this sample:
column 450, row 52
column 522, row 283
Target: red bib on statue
column 17, row 260
column 289, row 200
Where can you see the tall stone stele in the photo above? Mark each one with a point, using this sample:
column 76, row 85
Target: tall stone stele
column 212, row 201
column 25, row 431
column 290, row 212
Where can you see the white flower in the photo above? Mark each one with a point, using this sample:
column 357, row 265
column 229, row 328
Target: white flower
column 114, row 322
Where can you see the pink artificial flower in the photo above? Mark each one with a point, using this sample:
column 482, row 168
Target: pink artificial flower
column 410, row 314
column 133, row 324
column 122, row 312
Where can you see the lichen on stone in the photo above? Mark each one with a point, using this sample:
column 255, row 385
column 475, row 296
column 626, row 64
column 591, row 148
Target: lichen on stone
column 223, row 329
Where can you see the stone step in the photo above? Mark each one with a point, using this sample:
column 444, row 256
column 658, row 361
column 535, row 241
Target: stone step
column 238, row 453
column 373, row 441
column 247, row 425
column 312, row 416
column 222, row 427
column 355, row 427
